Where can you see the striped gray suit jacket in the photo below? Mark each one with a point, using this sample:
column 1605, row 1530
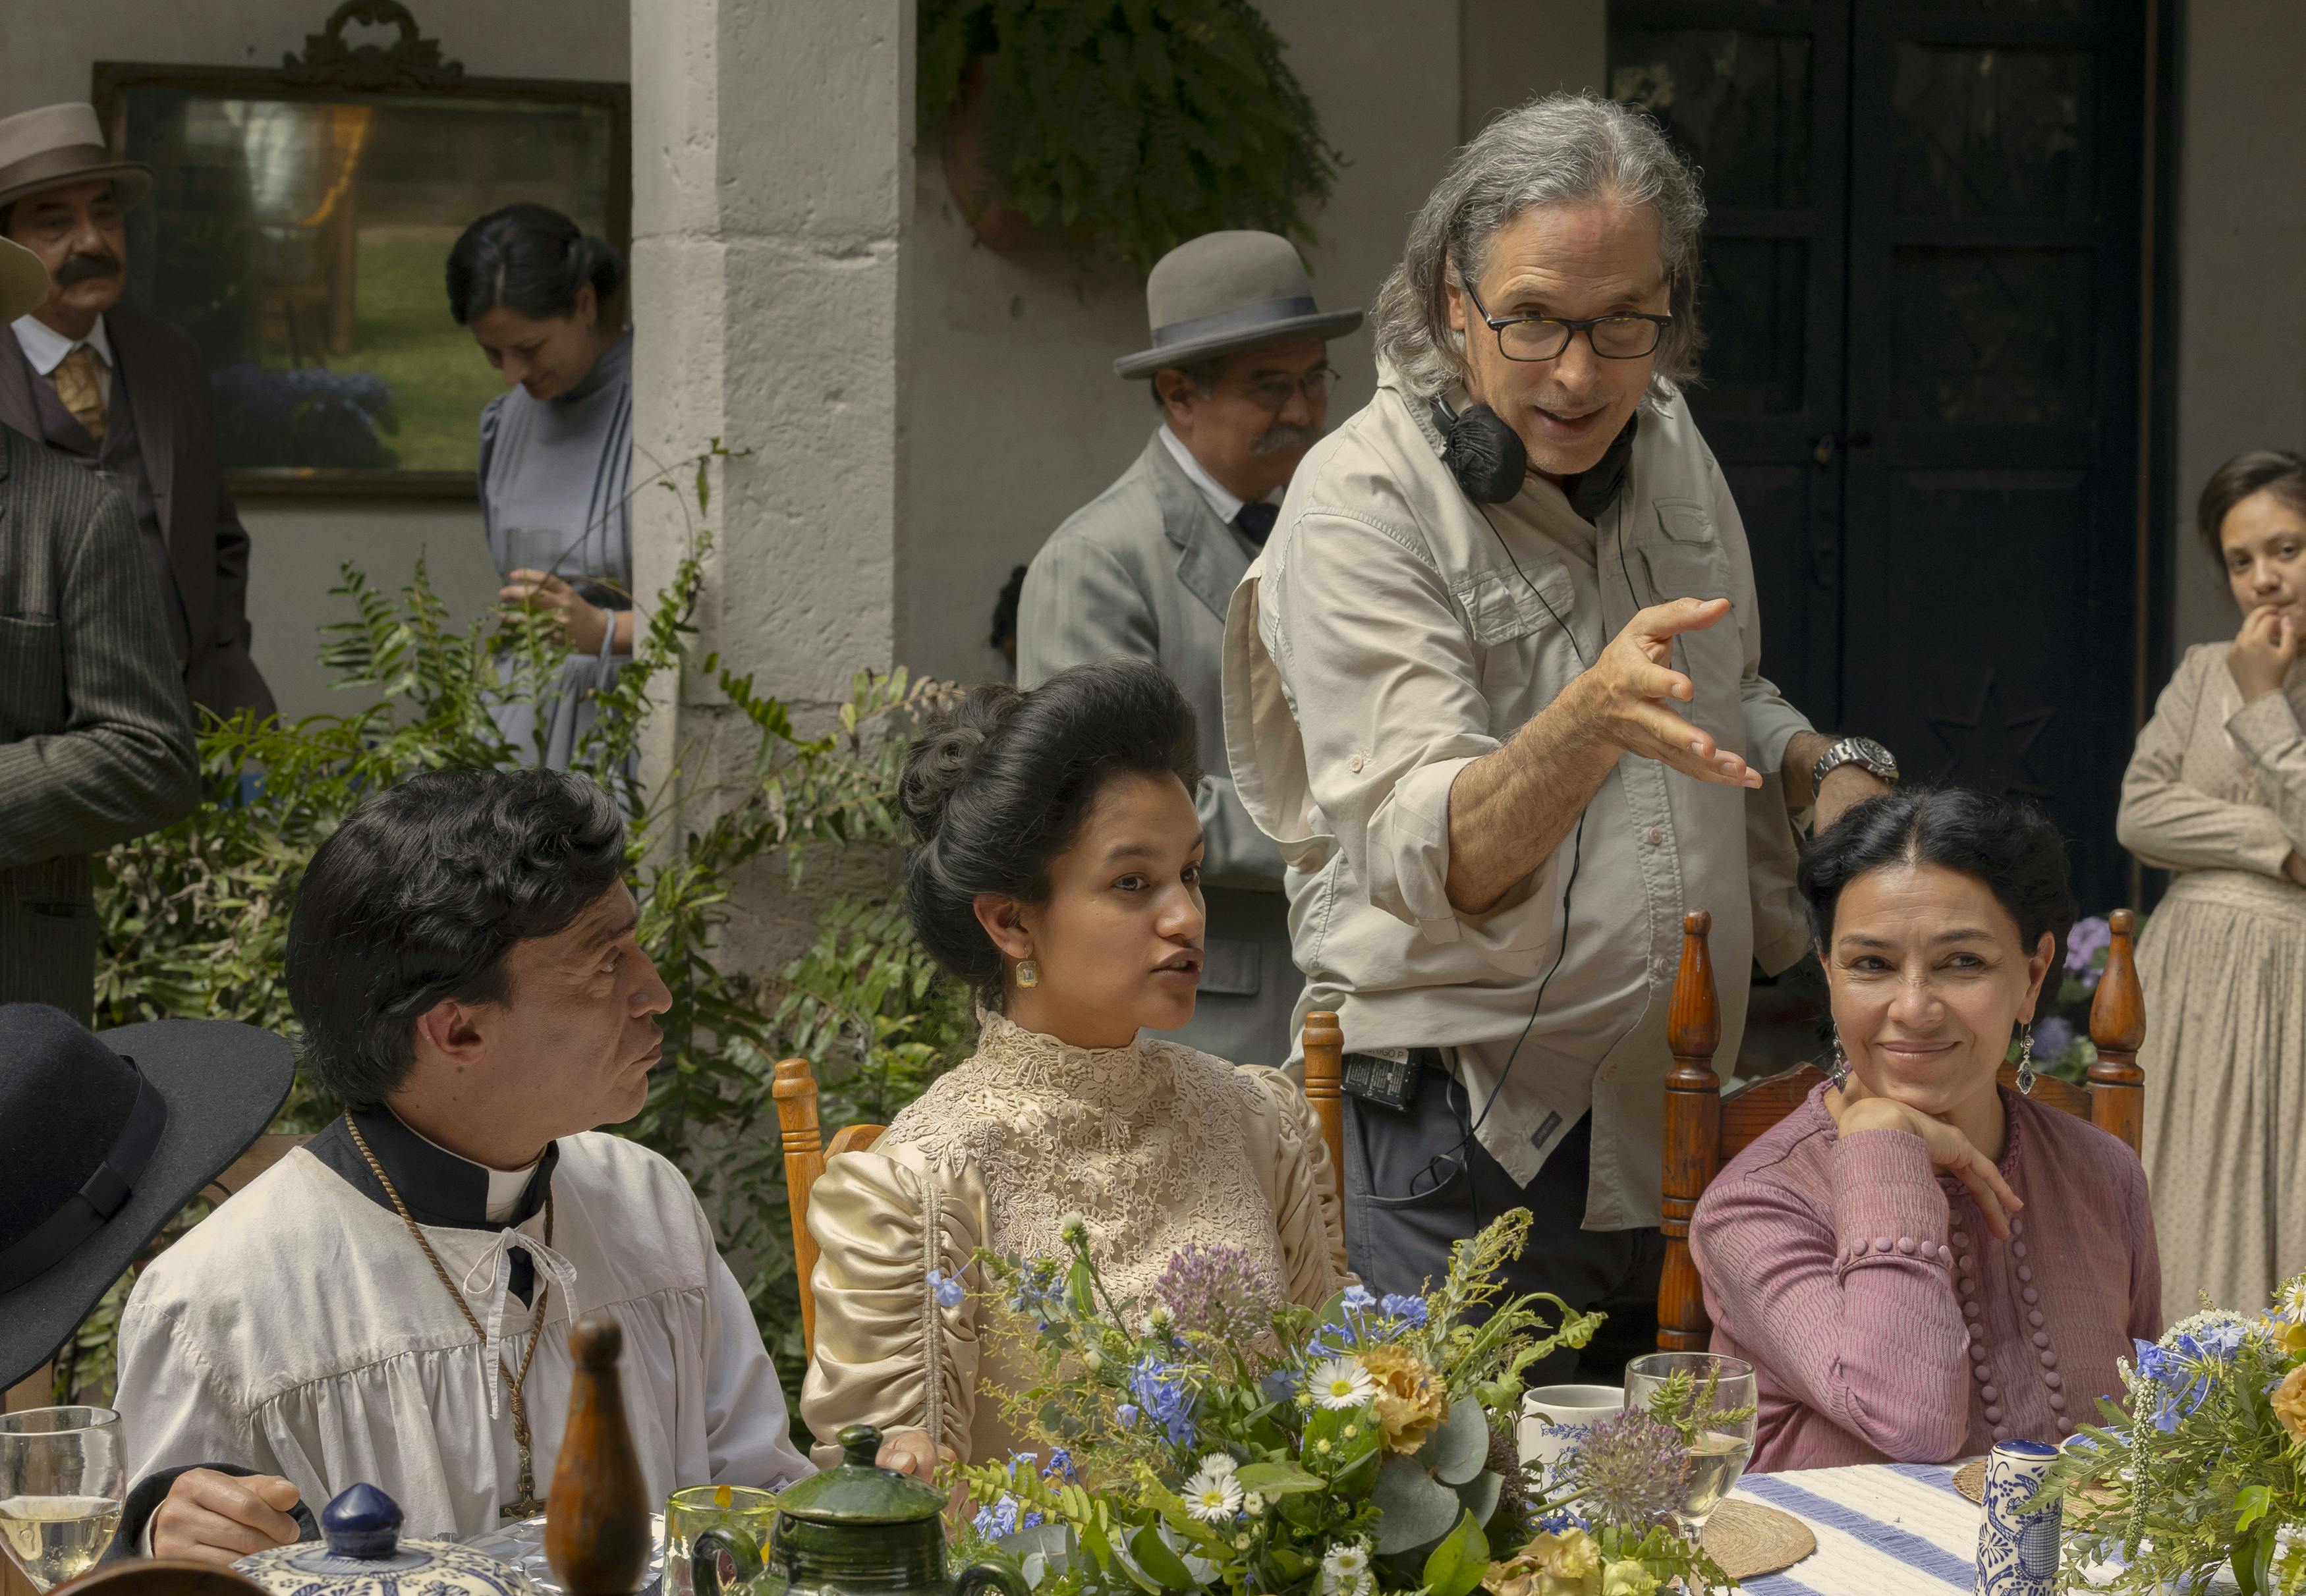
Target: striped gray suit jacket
column 1144, row 571
column 96, row 734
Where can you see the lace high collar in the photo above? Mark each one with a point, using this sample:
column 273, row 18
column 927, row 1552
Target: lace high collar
column 1040, row 1065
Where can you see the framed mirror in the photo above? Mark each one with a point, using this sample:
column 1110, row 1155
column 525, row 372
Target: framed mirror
column 299, row 228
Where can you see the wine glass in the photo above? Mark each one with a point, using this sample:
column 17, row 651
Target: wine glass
column 1718, row 1456
column 60, row 1489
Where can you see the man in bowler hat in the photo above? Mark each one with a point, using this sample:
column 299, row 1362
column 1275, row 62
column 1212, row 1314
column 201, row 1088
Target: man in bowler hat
column 122, row 392
column 1239, row 369
column 95, row 741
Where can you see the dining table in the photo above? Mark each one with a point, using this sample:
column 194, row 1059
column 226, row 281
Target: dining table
column 1882, row 1529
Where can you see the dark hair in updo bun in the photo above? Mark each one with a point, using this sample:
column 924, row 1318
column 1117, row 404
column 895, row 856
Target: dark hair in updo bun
column 531, row 258
column 2010, row 846
column 1000, row 785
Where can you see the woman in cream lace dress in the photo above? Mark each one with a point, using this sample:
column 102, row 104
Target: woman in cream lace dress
column 1057, row 873
column 2217, row 793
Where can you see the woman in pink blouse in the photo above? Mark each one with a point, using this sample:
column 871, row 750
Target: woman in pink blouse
column 1917, row 1262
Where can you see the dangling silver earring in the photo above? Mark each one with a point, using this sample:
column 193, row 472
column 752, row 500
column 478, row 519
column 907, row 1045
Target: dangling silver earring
column 1029, row 973
column 1838, row 1071
column 2026, row 1059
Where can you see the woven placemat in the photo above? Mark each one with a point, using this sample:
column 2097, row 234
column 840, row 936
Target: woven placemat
column 1750, row 1540
column 1970, row 1479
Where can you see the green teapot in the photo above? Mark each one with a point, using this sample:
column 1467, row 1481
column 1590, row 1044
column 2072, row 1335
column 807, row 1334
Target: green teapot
column 856, row 1527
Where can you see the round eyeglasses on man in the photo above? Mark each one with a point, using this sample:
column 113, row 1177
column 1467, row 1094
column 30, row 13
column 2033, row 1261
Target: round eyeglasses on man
column 1623, row 335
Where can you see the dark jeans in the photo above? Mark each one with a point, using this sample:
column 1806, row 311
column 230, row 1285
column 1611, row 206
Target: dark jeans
column 1412, row 1189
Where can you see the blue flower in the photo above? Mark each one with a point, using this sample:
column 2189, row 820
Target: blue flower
column 2053, row 1038
column 947, row 1288
column 1357, row 1298
column 1160, row 1390
column 1126, row 1415
column 998, row 1520
column 1061, row 1462
column 1408, row 1309
column 1561, row 1522
column 2181, row 1389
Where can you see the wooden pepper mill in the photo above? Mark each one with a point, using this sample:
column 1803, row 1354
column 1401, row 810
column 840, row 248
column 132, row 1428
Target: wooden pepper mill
column 596, row 1517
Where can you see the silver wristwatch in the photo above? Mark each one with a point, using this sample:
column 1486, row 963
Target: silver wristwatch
column 1861, row 751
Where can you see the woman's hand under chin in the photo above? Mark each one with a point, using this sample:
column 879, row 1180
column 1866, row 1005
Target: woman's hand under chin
column 1950, row 1151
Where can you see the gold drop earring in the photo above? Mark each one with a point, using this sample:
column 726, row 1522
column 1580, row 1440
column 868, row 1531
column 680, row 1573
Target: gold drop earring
column 1029, row 972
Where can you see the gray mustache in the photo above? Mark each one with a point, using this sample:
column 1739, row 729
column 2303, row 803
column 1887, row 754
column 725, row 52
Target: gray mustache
column 1285, row 436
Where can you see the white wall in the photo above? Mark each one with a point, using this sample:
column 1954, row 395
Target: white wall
column 46, row 54
column 2241, row 236
column 1015, row 417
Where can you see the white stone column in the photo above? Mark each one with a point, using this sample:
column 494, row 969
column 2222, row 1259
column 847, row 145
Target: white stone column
column 772, row 176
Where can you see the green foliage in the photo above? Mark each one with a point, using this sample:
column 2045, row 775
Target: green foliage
column 1690, row 1410
column 1128, row 127
column 195, row 915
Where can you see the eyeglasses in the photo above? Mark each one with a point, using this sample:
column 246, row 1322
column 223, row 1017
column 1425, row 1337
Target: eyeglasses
column 1628, row 335
column 1274, row 393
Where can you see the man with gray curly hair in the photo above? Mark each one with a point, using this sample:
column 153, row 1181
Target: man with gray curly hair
column 1494, row 686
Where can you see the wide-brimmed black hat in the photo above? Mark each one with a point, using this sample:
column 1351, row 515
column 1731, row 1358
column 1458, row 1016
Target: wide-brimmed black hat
column 1226, row 291
column 103, row 1137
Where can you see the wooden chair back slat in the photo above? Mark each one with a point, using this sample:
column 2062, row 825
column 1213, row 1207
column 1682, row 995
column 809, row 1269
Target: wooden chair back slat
column 805, row 1152
column 1706, row 1128
column 1325, row 1072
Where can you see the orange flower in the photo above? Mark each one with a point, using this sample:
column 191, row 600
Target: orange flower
column 2289, row 1401
column 1411, row 1401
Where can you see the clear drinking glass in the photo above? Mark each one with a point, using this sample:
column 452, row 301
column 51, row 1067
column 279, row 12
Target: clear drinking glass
column 1723, row 1446
column 716, row 1538
column 60, row 1489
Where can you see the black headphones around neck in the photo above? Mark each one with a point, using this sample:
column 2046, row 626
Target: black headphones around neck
column 1485, row 455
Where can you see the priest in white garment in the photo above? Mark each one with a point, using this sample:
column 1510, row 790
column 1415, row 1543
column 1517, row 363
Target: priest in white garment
column 390, row 1303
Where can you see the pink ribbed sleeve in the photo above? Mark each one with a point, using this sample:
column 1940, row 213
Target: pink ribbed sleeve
column 1854, row 1302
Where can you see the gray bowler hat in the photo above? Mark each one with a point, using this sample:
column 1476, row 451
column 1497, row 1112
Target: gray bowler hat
column 1228, row 291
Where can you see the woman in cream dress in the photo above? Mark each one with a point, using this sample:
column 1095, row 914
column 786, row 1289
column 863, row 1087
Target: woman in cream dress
column 2217, row 793
column 1058, row 873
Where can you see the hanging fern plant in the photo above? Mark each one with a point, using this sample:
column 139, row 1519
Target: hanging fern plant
column 1127, row 126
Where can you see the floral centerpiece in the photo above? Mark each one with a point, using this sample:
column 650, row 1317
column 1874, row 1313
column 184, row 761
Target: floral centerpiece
column 1216, row 1437
column 2203, row 1464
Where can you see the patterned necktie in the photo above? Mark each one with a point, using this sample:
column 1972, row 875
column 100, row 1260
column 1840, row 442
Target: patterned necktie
column 1255, row 521
column 78, row 378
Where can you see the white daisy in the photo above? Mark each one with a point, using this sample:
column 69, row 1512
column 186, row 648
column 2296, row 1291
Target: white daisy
column 1213, row 1495
column 1342, row 1383
column 1345, row 1562
column 1217, row 1466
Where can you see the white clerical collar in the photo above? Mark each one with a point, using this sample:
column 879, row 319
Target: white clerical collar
column 505, row 1185
column 45, row 347
column 1226, row 504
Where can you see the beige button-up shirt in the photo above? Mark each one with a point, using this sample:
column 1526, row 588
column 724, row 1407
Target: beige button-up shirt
column 1387, row 638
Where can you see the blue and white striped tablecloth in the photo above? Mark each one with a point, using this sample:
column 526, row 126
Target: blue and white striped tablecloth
column 1893, row 1529
column 1882, row 1529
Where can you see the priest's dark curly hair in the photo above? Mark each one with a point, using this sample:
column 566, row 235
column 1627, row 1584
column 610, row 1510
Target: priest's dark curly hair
column 419, row 896
column 1001, row 784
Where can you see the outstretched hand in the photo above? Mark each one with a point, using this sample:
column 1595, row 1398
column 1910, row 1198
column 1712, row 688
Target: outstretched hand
column 1626, row 697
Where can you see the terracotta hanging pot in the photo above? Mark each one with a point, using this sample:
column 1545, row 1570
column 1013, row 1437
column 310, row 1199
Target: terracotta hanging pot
column 999, row 226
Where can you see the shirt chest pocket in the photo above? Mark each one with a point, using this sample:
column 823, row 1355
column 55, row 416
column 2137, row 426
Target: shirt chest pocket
column 33, row 701
column 1685, row 560
column 1684, row 556
column 1520, row 626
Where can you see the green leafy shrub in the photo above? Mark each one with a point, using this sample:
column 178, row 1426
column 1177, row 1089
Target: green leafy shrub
column 195, row 915
column 1129, row 126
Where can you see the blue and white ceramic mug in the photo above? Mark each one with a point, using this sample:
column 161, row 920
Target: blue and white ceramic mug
column 2016, row 1552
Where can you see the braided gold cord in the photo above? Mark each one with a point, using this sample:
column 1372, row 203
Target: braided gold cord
column 528, row 1503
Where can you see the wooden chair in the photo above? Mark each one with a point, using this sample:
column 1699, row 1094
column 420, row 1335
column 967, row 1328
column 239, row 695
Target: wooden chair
column 805, row 1150
column 1706, row 1128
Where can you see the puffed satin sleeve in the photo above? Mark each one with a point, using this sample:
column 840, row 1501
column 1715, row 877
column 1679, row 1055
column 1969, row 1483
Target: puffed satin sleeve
column 887, row 1352
column 1292, row 1162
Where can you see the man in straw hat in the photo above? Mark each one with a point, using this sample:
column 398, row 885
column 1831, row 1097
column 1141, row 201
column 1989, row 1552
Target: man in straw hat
column 121, row 391
column 96, row 742
column 1240, row 372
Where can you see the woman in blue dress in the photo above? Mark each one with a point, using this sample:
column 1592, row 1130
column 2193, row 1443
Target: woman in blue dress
column 544, row 301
